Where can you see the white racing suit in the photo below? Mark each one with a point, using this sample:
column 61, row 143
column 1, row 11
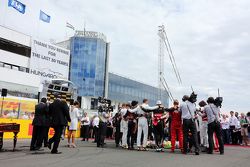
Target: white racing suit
column 142, row 123
column 124, row 127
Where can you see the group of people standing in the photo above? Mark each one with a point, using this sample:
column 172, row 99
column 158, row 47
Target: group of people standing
column 136, row 119
column 54, row 115
column 236, row 129
column 204, row 127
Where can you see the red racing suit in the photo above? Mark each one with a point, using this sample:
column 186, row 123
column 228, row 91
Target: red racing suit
column 176, row 127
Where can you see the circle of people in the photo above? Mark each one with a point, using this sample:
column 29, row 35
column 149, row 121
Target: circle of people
column 135, row 123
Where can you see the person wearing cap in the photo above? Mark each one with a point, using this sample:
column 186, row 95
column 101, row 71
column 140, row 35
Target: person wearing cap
column 176, row 126
column 214, row 125
column 188, row 109
column 158, row 126
column 142, row 122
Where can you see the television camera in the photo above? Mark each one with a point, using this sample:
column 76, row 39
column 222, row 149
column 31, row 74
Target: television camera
column 105, row 105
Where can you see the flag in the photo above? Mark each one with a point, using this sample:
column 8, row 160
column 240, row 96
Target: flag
column 44, row 17
column 20, row 7
column 70, row 26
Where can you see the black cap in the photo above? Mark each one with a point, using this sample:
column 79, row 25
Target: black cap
column 202, row 103
column 185, row 97
column 134, row 103
column 210, row 100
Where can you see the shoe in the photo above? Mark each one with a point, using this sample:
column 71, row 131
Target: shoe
column 39, row 149
column 49, row 145
column 221, row 153
column 56, row 152
column 172, row 151
column 73, row 145
column 197, row 153
column 32, row 149
column 209, row 152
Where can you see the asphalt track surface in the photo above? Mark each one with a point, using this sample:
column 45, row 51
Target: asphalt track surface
column 88, row 155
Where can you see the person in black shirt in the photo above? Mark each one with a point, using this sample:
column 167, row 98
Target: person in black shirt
column 39, row 125
column 59, row 113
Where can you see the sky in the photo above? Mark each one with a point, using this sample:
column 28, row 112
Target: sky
column 210, row 40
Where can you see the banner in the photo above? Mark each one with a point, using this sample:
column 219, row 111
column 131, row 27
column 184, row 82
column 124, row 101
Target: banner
column 44, row 17
column 49, row 61
column 20, row 7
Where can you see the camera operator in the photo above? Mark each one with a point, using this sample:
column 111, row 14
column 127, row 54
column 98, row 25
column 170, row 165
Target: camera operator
column 188, row 109
column 212, row 112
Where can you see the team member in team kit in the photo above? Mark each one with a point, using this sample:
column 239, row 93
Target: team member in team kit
column 203, row 131
column 188, row 109
column 124, row 126
column 176, row 126
column 142, row 122
column 132, row 127
column 158, row 126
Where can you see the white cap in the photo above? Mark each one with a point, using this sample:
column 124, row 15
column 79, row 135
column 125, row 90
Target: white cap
column 158, row 102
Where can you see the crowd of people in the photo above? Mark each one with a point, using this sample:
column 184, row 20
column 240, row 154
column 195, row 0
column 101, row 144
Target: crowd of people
column 186, row 126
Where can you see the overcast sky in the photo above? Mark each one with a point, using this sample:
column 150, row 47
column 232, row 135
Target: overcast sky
column 210, row 39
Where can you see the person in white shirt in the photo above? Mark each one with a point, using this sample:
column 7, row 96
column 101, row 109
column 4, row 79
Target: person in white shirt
column 95, row 125
column 124, row 126
column 74, row 116
column 12, row 114
column 225, row 128
column 204, row 126
column 233, row 123
column 142, row 122
column 85, row 125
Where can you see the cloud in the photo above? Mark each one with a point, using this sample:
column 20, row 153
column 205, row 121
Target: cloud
column 210, row 40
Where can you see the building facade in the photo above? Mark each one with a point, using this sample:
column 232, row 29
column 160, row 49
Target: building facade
column 122, row 90
column 89, row 71
column 89, row 63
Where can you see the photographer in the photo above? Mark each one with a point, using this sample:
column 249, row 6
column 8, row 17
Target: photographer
column 212, row 112
column 188, row 109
